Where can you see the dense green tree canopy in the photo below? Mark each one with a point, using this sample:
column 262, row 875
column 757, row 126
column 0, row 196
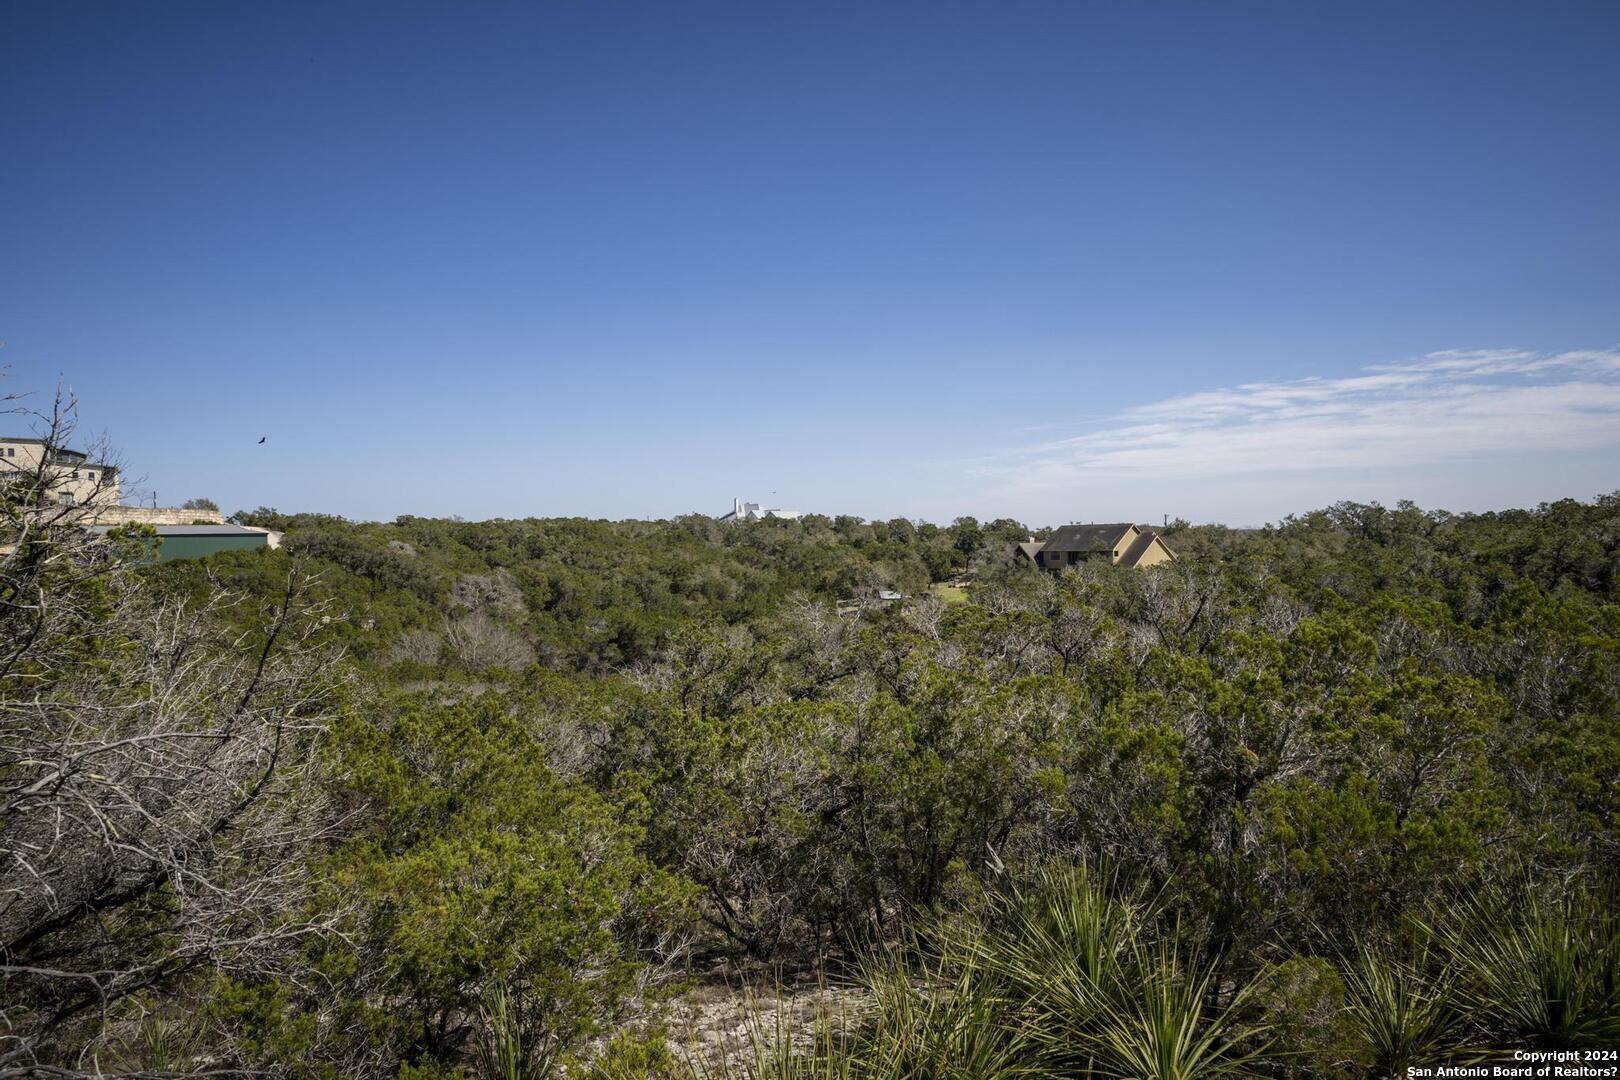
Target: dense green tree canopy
column 1353, row 758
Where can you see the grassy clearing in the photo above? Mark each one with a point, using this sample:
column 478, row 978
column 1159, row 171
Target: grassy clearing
column 951, row 594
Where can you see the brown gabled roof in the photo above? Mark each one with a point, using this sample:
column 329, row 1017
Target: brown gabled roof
column 1088, row 538
column 1030, row 548
column 1139, row 547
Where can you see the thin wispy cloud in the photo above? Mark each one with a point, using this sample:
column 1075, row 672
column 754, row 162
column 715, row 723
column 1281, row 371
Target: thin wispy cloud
column 1452, row 428
column 1446, row 405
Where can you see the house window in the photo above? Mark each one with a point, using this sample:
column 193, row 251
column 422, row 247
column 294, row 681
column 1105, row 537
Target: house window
column 66, row 498
column 90, row 475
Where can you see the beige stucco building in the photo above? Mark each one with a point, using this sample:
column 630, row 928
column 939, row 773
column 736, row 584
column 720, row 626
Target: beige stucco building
column 70, row 478
column 1122, row 544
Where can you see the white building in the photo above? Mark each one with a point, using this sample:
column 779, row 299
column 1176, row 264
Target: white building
column 748, row 511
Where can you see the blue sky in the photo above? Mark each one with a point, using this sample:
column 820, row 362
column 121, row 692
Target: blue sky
column 1066, row 261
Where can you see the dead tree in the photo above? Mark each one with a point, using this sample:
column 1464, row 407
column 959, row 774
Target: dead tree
column 155, row 811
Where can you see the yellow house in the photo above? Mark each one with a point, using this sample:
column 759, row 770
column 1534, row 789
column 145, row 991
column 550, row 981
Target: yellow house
column 70, row 478
column 1122, row 544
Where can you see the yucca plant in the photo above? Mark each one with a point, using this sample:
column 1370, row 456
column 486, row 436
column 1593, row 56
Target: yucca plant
column 917, row 1029
column 1072, row 977
column 170, row 1044
column 1058, row 947
column 506, row 1051
column 944, row 1020
column 1155, row 1023
column 1403, row 1018
column 1104, row 991
column 1537, row 970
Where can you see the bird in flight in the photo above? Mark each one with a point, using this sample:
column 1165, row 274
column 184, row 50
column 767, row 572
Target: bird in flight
column 262, row 438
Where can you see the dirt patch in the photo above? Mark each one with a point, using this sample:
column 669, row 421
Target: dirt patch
column 718, row 1021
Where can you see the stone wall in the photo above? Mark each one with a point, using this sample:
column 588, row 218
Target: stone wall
column 155, row 515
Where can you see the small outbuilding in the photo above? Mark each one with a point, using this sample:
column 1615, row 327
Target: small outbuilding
column 199, row 541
